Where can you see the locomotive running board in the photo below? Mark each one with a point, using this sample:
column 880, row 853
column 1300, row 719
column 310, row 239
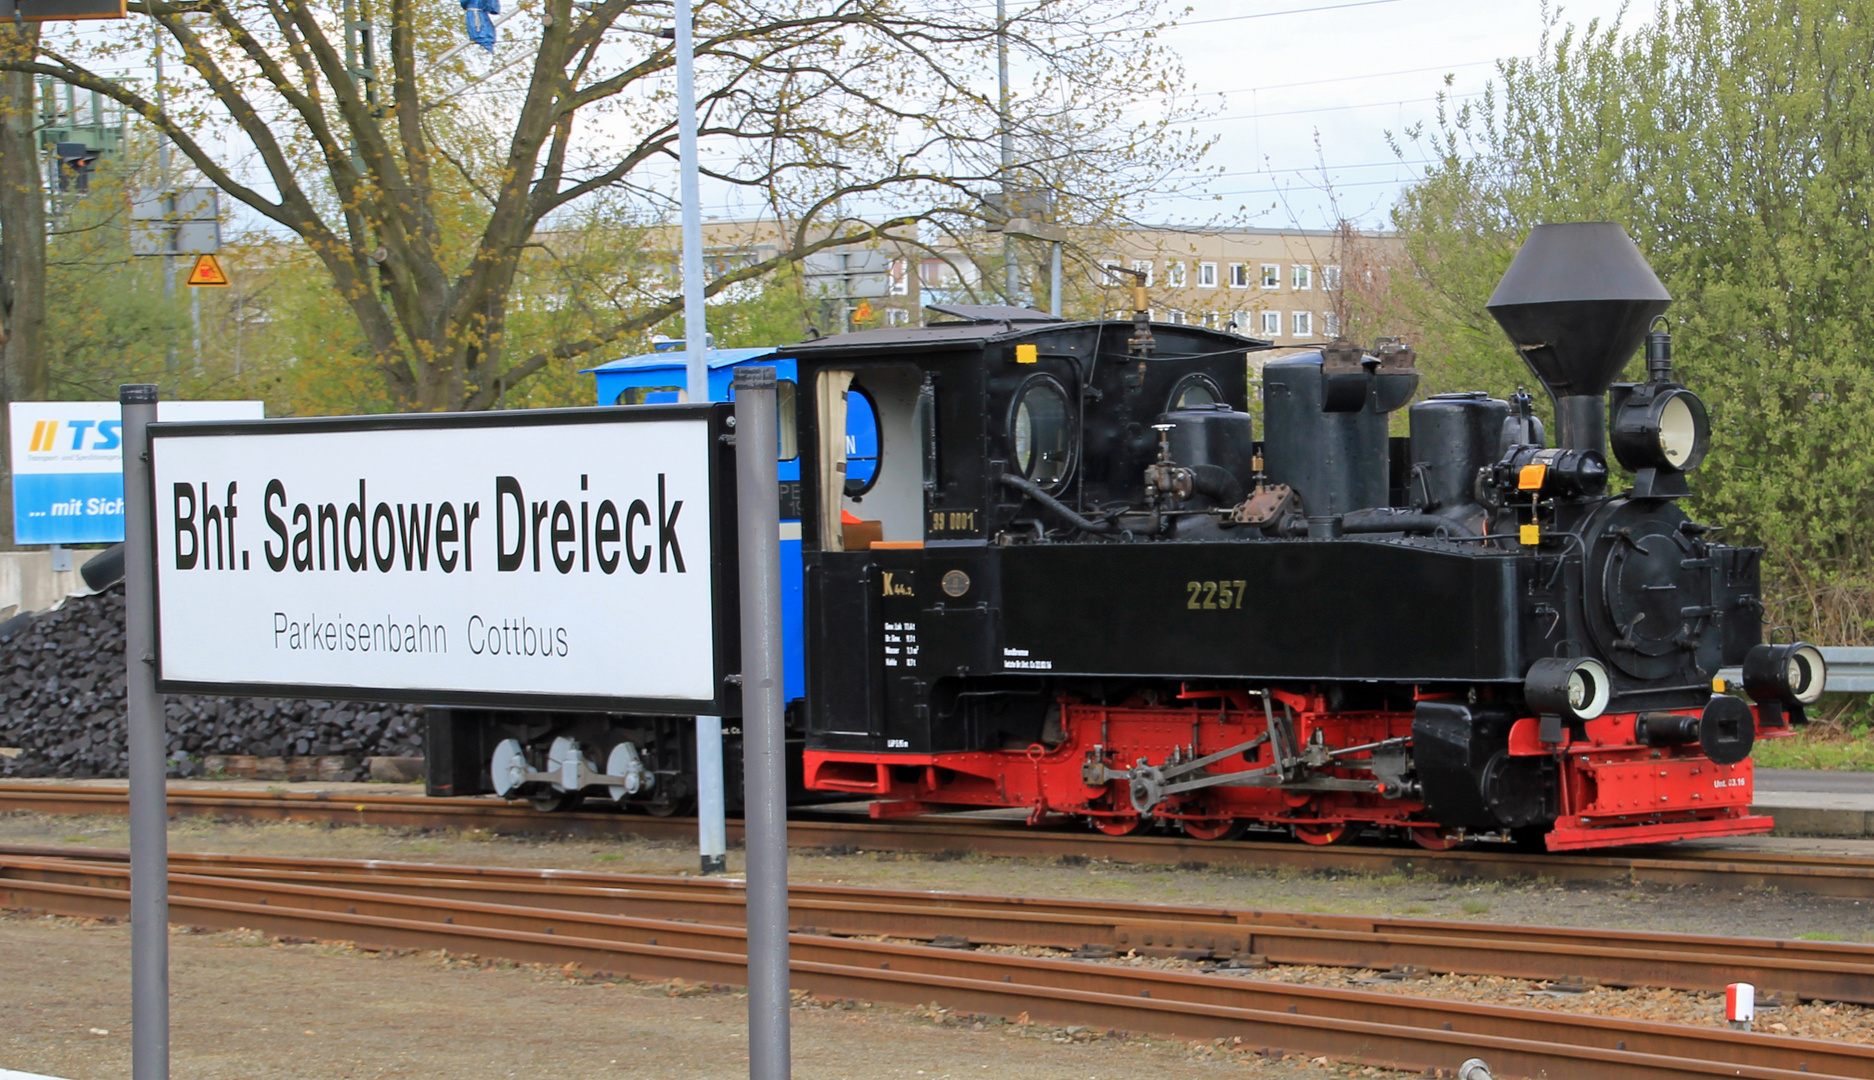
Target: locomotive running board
column 1574, row 839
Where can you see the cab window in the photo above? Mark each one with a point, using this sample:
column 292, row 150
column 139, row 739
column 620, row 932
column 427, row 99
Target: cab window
column 650, row 395
column 785, row 426
column 1041, row 431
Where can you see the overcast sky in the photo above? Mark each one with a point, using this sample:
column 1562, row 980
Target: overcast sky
column 1292, row 85
column 1349, row 70
column 1278, row 75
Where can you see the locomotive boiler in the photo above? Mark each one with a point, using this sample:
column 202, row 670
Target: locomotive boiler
column 1078, row 580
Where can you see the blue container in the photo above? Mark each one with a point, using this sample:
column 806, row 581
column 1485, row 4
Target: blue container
column 658, row 377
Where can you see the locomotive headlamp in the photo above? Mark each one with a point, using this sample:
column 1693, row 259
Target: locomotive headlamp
column 1665, row 429
column 1574, row 687
column 1794, row 674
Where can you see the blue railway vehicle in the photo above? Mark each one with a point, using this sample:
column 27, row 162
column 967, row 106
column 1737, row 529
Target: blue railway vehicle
column 648, row 762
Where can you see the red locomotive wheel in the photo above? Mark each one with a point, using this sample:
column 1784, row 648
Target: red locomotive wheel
column 1435, row 837
column 1223, row 829
column 1324, row 834
column 1118, row 826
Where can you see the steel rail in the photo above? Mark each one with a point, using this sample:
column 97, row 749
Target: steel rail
column 1375, row 1028
column 1831, row 971
column 1821, row 874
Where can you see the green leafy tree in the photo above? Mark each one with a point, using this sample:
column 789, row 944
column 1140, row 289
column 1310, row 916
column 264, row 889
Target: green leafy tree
column 1735, row 141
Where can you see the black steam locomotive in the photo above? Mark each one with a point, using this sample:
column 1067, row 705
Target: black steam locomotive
column 1076, row 581
column 1085, row 587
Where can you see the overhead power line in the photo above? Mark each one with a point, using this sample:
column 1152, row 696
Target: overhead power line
column 1346, row 78
column 1289, row 11
column 1333, row 108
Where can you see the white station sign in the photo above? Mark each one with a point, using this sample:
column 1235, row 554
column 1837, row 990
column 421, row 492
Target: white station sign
column 574, row 558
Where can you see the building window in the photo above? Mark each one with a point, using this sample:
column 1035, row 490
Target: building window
column 900, row 277
column 1271, row 324
column 1109, row 265
column 897, row 317
column 1271, row 276
column 1176, row 317
column 1210, row 320
column 1303, row 278
column 1144, row 266
column 1242, row 322
column 1330, row 278
column 1330, row 320
column 1303, row 323
column 1206, row 275
column 1239, row 275
column 1174, row 275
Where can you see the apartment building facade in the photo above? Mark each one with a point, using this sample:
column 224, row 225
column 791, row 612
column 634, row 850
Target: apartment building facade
column 1291, row 286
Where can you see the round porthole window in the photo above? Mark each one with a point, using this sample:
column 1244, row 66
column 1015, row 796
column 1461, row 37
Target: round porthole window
column 1041, row 428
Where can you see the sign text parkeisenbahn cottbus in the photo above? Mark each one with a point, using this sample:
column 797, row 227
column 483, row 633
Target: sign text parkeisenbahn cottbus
column 577, row 558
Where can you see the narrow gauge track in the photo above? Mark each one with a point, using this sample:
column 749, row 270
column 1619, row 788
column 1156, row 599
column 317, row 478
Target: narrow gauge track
column 1821, row 874
column 1375, row 1028
column 1828, row 971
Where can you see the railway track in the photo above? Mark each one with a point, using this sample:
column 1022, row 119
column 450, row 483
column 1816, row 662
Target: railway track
column 628, row 925
column 1817, row 873
column 1828, row 971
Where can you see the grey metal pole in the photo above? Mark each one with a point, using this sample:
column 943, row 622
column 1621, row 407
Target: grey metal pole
column 764, row 766
column 695, row 334
column 712, row 831
column 168, row 203
column 712, row 828
column 149, row 811
column 1054, row 279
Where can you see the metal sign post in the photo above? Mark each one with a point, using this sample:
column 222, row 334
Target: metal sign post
column 579, row 559
column 764, row 764
column 143, row 706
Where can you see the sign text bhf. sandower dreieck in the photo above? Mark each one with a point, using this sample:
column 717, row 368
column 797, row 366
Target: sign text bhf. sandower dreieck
column 568, row 535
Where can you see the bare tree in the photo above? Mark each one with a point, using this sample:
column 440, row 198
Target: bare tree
column 418, row 189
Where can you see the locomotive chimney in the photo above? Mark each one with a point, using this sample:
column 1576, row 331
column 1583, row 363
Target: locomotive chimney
column 1576, row 302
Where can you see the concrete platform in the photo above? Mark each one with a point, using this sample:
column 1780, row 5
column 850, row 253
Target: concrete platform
column 1813, row 802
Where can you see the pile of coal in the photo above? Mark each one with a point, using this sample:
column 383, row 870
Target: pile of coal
column 62, row 707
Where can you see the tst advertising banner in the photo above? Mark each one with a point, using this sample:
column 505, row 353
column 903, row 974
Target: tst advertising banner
column 576, row 558
column 68, row 465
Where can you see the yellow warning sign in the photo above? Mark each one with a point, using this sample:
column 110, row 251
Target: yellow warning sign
column 208, row 272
